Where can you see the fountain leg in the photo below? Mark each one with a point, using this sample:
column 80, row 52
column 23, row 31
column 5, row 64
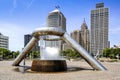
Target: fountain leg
column 91, row 61
column 25, row 51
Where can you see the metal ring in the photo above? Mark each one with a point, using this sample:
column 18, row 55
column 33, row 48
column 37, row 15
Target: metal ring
column 48, row 31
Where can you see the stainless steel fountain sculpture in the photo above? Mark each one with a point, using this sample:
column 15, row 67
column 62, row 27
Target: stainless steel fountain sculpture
column 64, row 36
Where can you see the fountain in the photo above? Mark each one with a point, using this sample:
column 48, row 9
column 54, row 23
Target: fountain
column 50, row 60
column 55, row 64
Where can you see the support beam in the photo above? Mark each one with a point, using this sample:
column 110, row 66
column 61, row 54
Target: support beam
column 25, row 51
column 91, row 61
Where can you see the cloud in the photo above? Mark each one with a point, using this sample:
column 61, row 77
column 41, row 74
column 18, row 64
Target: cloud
column 29, row 5
column 15, row 33
column 14, row 5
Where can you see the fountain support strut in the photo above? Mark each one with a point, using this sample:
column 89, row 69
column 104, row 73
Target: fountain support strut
column 58, row 32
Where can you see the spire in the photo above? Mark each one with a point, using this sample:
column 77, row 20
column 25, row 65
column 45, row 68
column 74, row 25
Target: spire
column 84, row 25
column 84, row 21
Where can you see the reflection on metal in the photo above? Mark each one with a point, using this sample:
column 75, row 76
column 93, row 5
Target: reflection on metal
column 52, row 39
column 58, row 32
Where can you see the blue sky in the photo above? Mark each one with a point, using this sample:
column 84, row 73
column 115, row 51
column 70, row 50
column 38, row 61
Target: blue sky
column 19, row 17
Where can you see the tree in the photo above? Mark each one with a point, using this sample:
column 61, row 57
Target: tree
column 15, row 54
column 35, row 54
column 106, row 52
column 4, row 53
column 70, row 53
column 111, row 52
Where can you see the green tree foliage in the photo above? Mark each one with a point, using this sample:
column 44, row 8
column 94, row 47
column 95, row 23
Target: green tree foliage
column 35, row 54
column 4, row 53
column 70, row 53
column 7, row 54
column 111, row 52
column 15, row 54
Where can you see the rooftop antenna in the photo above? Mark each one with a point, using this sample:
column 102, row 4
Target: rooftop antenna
column 57, row 7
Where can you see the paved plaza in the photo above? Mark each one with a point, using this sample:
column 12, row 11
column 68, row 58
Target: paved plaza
column 77, row 70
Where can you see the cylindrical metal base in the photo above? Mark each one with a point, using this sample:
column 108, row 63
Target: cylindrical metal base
column 49, row 65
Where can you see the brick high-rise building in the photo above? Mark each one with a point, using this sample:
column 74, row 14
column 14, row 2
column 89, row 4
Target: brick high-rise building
column 82, row 36
column 76, row 36
column 85, row 38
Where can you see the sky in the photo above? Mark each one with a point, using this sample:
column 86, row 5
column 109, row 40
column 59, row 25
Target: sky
column 20, row 17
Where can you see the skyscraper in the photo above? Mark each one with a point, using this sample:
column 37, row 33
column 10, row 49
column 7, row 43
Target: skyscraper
column 56, row 19
column 27, row 38
column 76, row 36
column 4, row 41
column 84, row 38
column 99, row 28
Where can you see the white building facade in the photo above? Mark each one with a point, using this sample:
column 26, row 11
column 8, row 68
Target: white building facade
column 4, row 41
